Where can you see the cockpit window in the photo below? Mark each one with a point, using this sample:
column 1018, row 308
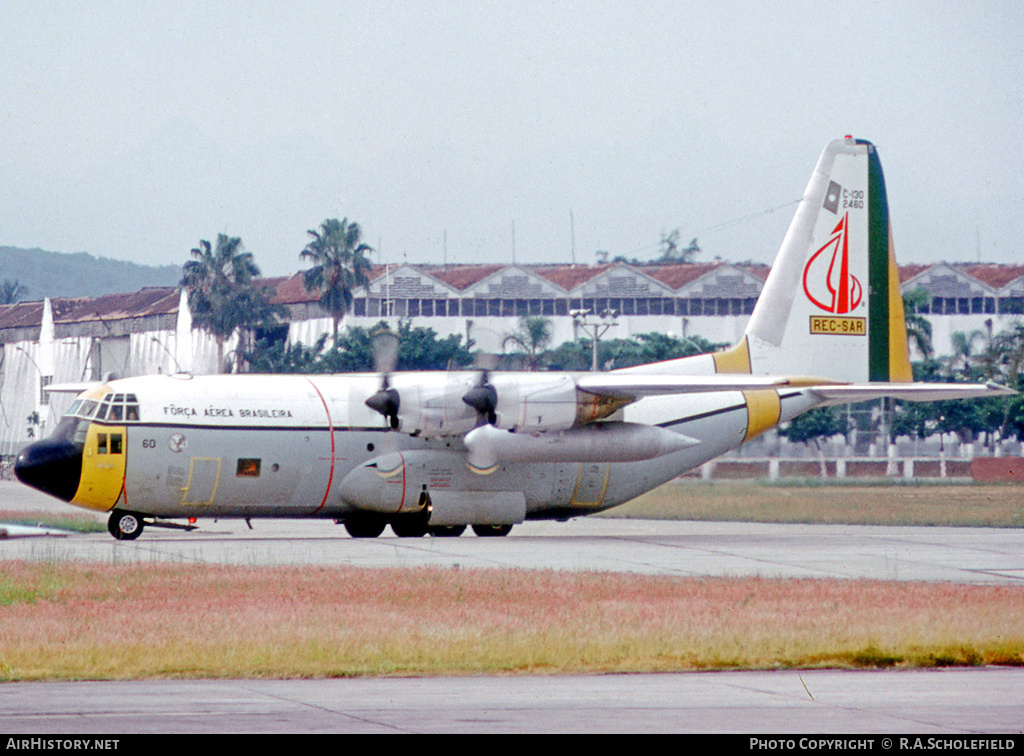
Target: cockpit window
column 114, row 408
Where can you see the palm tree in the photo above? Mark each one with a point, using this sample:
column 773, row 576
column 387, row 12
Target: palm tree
column 963, row 350
column 339, row 266
column 919, row 328
column 222, row 294
column 671, row 251
column 533, row 337
column 12, row 291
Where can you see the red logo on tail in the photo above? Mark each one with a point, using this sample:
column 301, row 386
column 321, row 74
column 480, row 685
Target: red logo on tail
column 833, row 288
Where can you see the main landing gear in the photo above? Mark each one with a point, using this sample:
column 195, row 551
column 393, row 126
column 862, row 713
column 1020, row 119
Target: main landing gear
column 413, row 526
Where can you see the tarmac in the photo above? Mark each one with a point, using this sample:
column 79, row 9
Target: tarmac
column 953, row 703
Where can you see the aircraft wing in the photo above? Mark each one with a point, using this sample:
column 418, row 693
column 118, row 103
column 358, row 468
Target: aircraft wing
column 71, row 388
column 637, row 385
column 634, row 385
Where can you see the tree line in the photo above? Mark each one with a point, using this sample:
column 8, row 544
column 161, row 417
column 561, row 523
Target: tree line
column 226, row 298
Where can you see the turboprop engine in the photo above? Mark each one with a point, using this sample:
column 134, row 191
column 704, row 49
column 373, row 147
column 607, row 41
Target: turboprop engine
column 451, row 404
column 426, row 404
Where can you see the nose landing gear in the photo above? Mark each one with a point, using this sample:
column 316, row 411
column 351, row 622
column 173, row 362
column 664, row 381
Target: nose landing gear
column 125, row 526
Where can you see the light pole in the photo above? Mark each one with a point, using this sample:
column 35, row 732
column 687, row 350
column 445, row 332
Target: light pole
column 594, row 326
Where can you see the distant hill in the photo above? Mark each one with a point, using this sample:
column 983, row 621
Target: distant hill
column 54, row 274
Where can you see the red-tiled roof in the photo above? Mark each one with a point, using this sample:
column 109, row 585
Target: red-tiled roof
column 570, row 276
column 996, row 276
column 461, row 277
column 676, row 276
column 290, row 290
column 907, row 272
column 756, row 269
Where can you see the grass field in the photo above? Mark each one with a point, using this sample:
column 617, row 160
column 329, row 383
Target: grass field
column 75, row 621
column 110, row 621
column 855, row 503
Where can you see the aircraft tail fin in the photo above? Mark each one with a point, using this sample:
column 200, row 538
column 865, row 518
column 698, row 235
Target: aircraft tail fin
column 831, row 306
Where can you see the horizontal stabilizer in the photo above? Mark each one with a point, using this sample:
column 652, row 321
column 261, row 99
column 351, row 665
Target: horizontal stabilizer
column 911, row 392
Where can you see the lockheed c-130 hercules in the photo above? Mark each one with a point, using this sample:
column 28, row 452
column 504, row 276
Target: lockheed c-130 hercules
column 436, row 452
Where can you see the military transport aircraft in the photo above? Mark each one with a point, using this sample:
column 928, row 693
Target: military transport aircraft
column 435, row 452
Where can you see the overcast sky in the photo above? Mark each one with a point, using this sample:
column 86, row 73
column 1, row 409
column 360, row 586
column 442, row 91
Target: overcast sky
column 478, row 131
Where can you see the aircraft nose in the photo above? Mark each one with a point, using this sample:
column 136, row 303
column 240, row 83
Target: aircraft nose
column 53, row 465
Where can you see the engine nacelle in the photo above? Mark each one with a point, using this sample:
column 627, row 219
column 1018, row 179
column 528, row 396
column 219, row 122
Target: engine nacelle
column 533, row 402
column 381, row 485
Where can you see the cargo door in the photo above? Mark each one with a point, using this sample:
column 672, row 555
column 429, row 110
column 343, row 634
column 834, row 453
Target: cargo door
column 203, row 476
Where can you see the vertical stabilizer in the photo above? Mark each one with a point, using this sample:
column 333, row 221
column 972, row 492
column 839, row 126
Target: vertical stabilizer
column 831, row 306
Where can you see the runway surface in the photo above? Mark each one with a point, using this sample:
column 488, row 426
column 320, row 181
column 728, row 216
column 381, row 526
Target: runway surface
column 944, row 701
column 963, row 555
column 958, row 701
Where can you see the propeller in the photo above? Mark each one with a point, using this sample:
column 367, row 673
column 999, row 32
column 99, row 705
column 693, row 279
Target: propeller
column 386, row 401
column 484, row 397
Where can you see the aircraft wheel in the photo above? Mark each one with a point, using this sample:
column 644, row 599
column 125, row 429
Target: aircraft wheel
column 364, row 527
column 447, row 531
column 125, row 526
column 492, row 531
column 409, row 526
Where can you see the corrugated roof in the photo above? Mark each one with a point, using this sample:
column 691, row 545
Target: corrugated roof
column 152, row 300
column 21, row 315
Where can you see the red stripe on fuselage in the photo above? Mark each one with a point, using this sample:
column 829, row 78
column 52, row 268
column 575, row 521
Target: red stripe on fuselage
column 330, row 430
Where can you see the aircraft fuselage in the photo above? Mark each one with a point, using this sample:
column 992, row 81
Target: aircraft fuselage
column 308, row 446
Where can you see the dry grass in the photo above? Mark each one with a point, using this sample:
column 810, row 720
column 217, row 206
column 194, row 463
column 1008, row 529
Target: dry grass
column 79, row 523
column 75, row 621
column 882, row 503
